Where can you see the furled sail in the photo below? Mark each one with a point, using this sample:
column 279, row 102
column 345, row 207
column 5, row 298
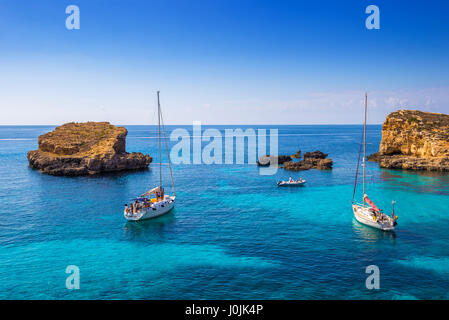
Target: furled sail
column 152, row 191
column 368, row 200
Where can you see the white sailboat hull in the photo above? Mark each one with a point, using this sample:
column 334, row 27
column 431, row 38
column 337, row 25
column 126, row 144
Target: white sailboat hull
column 365, row 216
column 156, row 209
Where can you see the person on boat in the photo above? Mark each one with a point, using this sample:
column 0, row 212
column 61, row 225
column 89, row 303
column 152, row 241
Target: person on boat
column 126, row 209
column 290, row 179
column 300, row 179
column 162, row 193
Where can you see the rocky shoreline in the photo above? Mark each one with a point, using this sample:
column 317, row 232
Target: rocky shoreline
column 414, row 140
column 75, row 149
column 410, row 163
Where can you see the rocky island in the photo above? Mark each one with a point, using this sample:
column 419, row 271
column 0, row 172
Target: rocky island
column 414, row 140
column 85, row 148
column 265, row 161
column 312, row 160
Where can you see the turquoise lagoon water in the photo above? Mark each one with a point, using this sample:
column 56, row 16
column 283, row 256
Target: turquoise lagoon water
column 233, row 234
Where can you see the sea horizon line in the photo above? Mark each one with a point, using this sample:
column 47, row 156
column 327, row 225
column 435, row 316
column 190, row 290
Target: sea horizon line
column 202, row 124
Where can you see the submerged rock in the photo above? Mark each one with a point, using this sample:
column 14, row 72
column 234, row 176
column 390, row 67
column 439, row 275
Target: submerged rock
column 414, row 140
column 85, row 148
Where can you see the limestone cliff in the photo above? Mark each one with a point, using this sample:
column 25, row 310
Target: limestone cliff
column 85, row 148
column 414, row 140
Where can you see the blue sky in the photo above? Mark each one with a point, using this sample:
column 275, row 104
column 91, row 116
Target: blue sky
column 221, row 61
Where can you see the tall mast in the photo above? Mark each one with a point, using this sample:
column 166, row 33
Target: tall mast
column 168, row 154
column 159, row 126
column 364, row 147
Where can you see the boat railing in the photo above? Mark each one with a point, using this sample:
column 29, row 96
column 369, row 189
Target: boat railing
column 358, row 204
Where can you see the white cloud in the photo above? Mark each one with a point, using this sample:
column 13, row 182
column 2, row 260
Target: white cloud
column 347, row 106
column 327, row 107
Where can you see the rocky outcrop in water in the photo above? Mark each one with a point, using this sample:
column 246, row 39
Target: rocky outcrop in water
column 265, row 161
column 85, row 148
column 414, row 140
column 312, row 160
column 297, row 155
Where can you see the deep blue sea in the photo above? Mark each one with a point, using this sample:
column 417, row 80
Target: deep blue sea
column 233, row 233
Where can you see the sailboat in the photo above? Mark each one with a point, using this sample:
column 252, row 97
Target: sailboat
column 367, row 212
column 155, row 202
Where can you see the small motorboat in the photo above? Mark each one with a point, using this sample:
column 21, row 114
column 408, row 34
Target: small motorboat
column 291, row 183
